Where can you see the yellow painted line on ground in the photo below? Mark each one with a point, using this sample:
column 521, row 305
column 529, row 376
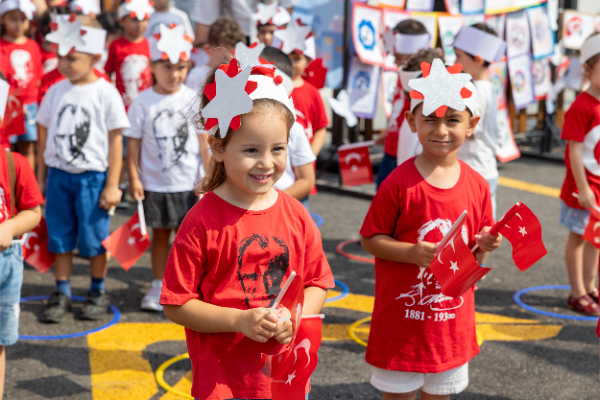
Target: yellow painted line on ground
column 355, row 302
column 184, row 385
column 528, row 187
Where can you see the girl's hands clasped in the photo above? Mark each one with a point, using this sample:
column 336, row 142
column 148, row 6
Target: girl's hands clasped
column 260, row 324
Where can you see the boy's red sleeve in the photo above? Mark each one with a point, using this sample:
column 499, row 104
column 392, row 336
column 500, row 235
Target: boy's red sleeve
column 109, row 67
column 319, row 117
column 28, row 193
column 384, row 211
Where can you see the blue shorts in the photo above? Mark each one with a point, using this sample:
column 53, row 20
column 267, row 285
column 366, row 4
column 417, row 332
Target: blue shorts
column 72, row 212
column 573, row 219
column 11, row 279
column 388, row 164
column 30, row 134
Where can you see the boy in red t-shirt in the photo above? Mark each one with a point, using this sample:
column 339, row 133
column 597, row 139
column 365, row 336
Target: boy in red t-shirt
column 21, row 62
column 128, row 56
column 582, row 130
column 421, row 339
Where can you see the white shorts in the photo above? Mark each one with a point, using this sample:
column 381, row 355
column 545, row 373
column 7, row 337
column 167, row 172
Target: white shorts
column 442, row 383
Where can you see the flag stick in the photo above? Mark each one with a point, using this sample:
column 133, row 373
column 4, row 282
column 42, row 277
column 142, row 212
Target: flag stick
column 20, row 241
column 142, row 217
column 451, row 231
column 500, row 224
column 576, row 195
column 283, row 290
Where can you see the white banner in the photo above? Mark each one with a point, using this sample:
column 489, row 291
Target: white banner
column 472, row 7
column 391, row 18
column 363, row 88
column 541, row 78
column 497, row 22
column 497, row 73
column 521, row 80
column 518, row 38
column 542, row 38
column 366, row 33
column 389, row 82
column 449, row 27
column 507, row 148
column 576, row 28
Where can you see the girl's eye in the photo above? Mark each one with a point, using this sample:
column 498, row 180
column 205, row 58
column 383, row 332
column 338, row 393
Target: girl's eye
column 252, row 151
column 278, row 149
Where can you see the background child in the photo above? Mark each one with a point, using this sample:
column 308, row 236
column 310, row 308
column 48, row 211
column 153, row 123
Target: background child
column 110, row 23
column 269, row 22
column 171, row 157
column 581, row 120
column 167, row 15
column 240, row 230
column 412, row 210
column 411, row 37
column 21, row 63
column 80, row 122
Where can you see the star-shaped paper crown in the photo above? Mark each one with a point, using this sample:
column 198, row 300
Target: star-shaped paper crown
column 295, row 37
column 171, row 44
column 87, row 7
column 271, row 14
column 26, row 7
column 232, row 91
column 441, row 87
column 140, row 9
column 68, row 34
column 249, row 56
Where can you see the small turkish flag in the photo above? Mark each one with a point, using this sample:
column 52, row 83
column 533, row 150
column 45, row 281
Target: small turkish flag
column 523, row 230
column 127, row 244
column 593, row 225
column 291, row 374
column 14, row 118
column 355, row 164
column 316, row 73
column 35, row 248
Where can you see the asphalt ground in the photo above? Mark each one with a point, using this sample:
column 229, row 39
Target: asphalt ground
column 523, row 355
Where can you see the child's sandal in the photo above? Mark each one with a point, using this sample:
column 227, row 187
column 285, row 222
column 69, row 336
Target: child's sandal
column 584, row 305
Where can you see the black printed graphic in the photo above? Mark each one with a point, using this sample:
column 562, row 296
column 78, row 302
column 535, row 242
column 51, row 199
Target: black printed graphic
column 172, row 148
column 72, row 133
column 262, row 264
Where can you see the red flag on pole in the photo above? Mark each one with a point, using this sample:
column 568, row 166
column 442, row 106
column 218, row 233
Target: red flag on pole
column 35, row 248
column 355, row 163
column 523, row 230
column 592, row 231
column 128, row 243
column 316, row 73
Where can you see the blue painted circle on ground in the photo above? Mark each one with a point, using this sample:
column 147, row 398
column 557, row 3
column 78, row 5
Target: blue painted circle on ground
column 344, row 293
column 318, row 219
column 517, row 299
column 115, row 319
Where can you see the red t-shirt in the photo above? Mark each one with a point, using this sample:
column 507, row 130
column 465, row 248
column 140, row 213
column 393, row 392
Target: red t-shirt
column 310, row 111
column 22, row 65
column 582, row 124
column 400, row 105
column 130, row 63
column 232, row 257
column 28, row 193
column 415, row 328
column 54, row 76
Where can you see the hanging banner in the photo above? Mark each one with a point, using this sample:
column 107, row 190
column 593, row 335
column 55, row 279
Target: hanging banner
column 449, row 27
column 521, row 80
column 430, row 22
column 497, row 22
column 452, row 7
column 507, row 149
column 392, row 3
column 389, row 82
column 576, row 28
column 366, row 32
column 391, row 18
column 542, row 38
column 541, row 78
column 355, row 164
column 420, row 5
column 497, row 73
column 472, row 7
column 472, row 19
column 363, row 87
column 518, row 38
column 499, row 6
column 526, row 3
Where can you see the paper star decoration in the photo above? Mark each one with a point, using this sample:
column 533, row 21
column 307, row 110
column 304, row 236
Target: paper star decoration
column 87, row 7
column 342, row 107
column 140, row 9
column 454, row 266
column 67, row 34
column 174, row 43
column 440, row 88
column 389, row 40
column 522, row 231
column 28, row 8
column 248, row 56
column 265, row 12
column 293, row 37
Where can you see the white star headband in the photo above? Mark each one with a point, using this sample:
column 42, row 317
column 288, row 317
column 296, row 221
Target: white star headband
column 171, row 44
column 232, row 92
column 410, row 44
column 70, row 36
column 442, row 87
column 26, row 7
column 249, row 56
column 295, row 38
column 479, row 43
column 271, row 14
column 87, row 7
column 140, row 9
column 590, row 48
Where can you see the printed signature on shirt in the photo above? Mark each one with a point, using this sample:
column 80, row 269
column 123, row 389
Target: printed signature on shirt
column 431, row 300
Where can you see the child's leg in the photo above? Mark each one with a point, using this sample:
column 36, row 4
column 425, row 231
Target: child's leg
column 98, row 268
column 590, row 266
column 401, row 396
column 427, row 396
column 2, row 370
column 63, row 265
column 574, row 261
column 159, row 251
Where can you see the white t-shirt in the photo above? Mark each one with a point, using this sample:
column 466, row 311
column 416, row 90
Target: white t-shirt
column 78, row 118
column 299, row 153
column 206, row 12
column 408, row 143
column 171, row 16
column 170, row 159
column 197, row 77
column 480, row 152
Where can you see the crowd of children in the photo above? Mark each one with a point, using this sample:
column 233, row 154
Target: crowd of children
column 193, row 140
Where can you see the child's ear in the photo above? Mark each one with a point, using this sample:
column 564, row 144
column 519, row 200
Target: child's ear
column 215, row 148
column 96, row 58
column 479, row 61
column 411, row 120
column 472, row 124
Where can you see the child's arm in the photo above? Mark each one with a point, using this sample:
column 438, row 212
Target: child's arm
column 136, row 189
column 305, row 181
column 388, row 248
column 23, row 222
column 42, row 132
column 486, row 243
column 318, row 140
column 204, row 153
column 586, row 199
column 111, row 195
column 314, row 299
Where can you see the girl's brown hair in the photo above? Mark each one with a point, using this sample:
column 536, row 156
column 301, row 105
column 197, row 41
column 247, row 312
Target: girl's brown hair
column 413, row 62
column 217, row 174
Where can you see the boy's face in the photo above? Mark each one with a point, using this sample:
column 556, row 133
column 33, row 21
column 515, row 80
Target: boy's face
column 161, row 5
column 593, row 73
column 265, row 33
column 169, row 76
column 132, row 27
column 76, row 66
column 300, row 63
column 441, row 136
column 471, row 65
column 15, row 22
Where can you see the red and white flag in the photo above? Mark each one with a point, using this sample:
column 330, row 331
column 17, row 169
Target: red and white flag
column 592, row 231
column 129, row 242
column 523, row 230
column 35, row 248
column 355, row 164
column 316, row 73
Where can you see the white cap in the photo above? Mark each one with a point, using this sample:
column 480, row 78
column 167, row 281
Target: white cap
column 140, row 9
column 406, row 76
column 26, row 7
column 410, row 44
column 170, row 44
column 479, row 43
column 87, row 7
column 68, row 34
column 590, row 48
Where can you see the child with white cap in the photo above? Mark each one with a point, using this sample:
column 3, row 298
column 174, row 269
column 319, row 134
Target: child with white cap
column 80, row 146
column 164, row 14
column 172, row 150
column 269, row 17
column 21, row 63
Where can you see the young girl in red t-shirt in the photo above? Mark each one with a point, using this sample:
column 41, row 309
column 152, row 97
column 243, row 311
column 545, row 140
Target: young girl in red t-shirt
column 240, row 243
